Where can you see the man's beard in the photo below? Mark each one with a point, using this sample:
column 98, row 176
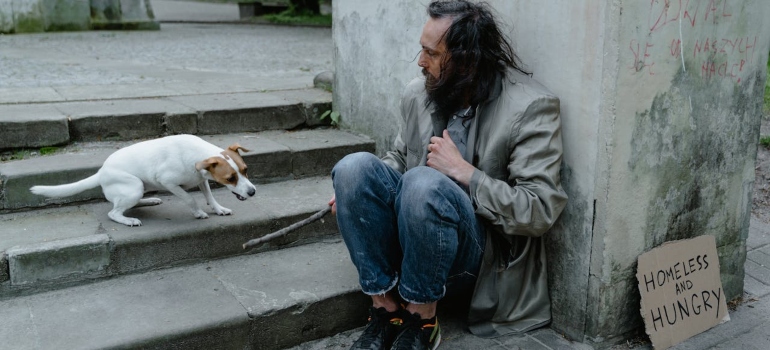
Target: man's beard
column 446, row 98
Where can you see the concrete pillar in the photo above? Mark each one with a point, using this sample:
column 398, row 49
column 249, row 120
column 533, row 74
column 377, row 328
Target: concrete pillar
column 33, row 16
column 122, row 14
column 66, row 15
column 661, row 104
column 6, row 16
column 24, row 16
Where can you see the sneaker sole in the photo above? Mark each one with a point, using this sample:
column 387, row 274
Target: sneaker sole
column 438, row 341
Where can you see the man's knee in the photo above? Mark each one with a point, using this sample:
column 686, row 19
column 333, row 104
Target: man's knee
column 423, row 180
column 353, row 164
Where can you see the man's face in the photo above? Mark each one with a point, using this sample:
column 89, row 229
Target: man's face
column 433, row 47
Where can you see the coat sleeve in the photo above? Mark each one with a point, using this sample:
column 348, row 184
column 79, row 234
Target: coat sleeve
column 532, row 198
column 396, row 157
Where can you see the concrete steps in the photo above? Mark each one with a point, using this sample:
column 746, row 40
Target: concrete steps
column 71, row 278
column 56, row 247
column 59, row 120
column 271, row 300
column 272, row 156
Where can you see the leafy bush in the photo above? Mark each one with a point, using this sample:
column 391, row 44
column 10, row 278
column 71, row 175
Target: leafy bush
column 292, row 16
column 765, row 141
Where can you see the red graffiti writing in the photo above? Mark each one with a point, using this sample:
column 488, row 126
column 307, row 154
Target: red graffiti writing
column 742, row 46
column 641, row 56
column 663, row 12
column 728, row 69
column 718, row 57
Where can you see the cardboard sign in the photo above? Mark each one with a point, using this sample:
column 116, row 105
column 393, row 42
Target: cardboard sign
column 681, row 291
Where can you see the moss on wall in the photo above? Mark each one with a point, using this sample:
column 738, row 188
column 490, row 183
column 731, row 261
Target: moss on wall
column 74, row 15
column 695, row 142
column 69, row 15
column 29, row 23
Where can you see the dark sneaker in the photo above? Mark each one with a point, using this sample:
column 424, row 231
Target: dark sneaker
column 418, row 334
column 382, row 329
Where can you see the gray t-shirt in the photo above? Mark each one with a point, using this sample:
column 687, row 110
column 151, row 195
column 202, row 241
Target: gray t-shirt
column 458, row 127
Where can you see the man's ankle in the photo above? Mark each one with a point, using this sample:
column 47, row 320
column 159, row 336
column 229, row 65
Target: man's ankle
column 386, row 302
column 426, row 311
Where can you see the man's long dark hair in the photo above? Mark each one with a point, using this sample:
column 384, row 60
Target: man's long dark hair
column 477, row 53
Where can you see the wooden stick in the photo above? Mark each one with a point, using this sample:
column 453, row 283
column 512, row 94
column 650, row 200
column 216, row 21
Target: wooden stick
column 287, row 229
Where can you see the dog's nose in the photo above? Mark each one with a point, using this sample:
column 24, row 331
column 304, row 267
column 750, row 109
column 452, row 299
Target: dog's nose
column 252, row 191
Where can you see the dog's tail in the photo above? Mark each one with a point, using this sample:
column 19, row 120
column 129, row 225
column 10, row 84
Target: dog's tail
column 67, row 190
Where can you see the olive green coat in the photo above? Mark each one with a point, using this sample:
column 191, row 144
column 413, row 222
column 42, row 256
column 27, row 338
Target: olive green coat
column 516, row 190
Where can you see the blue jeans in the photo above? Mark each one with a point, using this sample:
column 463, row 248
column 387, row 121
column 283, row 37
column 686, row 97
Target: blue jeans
column 417, row 231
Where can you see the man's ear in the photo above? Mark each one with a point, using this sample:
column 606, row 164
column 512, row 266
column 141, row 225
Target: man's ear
column 236, row 148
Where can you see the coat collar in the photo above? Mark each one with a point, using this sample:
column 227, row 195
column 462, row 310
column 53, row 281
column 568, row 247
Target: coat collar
column 439, row 124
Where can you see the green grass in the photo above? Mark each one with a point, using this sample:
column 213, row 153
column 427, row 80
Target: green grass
column 765, row 141
column 767, row 90
column 26, row 153
column 287, row 17
column 48, row 150
column 295, row 17
column 290, row 16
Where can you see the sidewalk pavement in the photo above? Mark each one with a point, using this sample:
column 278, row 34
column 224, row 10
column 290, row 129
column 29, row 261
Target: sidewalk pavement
column 189, row 56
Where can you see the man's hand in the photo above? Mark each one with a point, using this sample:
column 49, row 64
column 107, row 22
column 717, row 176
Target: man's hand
column 333, row 204
column 444, row 156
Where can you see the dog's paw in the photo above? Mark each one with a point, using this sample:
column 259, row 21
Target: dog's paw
column 221, row 211
column 200, row 214
column 132, row 222
column 119, row 218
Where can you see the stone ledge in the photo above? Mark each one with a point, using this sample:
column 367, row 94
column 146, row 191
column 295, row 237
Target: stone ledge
column 37, row 125
column 72, row 258
column 42, row 258
column 268, row 301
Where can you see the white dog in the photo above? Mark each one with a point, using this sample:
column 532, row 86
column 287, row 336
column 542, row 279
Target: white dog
column 172, row 163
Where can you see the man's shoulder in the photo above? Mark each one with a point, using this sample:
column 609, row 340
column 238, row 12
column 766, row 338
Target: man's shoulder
column 525, row 83
column 415, row 87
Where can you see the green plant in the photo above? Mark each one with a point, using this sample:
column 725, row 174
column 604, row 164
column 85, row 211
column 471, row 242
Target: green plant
column 765, row 141
column 334, row 116
column 15, row 155
column 299, row 15
column 766, row 104
column 20, row 154
column 48, row 150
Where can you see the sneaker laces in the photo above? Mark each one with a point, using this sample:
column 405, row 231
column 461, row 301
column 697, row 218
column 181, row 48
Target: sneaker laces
column 377, row 327
column 416, row 329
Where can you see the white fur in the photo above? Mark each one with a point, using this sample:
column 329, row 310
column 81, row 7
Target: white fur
column 167, row 163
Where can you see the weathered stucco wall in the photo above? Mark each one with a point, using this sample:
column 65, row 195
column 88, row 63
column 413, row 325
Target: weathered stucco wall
column 561, row 43
column 375, row 48
column 689, row 84
column 660, row 128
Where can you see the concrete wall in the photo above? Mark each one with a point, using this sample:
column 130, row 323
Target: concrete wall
column 660, row 131
column 375, row 48
column 687, row 82
column 31, row 16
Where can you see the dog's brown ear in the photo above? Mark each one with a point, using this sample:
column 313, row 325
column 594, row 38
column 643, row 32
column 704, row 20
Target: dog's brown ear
column 236, row 147
column 207, row 163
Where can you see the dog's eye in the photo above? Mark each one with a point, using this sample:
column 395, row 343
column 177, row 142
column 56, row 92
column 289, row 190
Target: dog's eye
column 231, row 178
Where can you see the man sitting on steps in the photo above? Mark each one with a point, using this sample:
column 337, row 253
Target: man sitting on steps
column 458, row 207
